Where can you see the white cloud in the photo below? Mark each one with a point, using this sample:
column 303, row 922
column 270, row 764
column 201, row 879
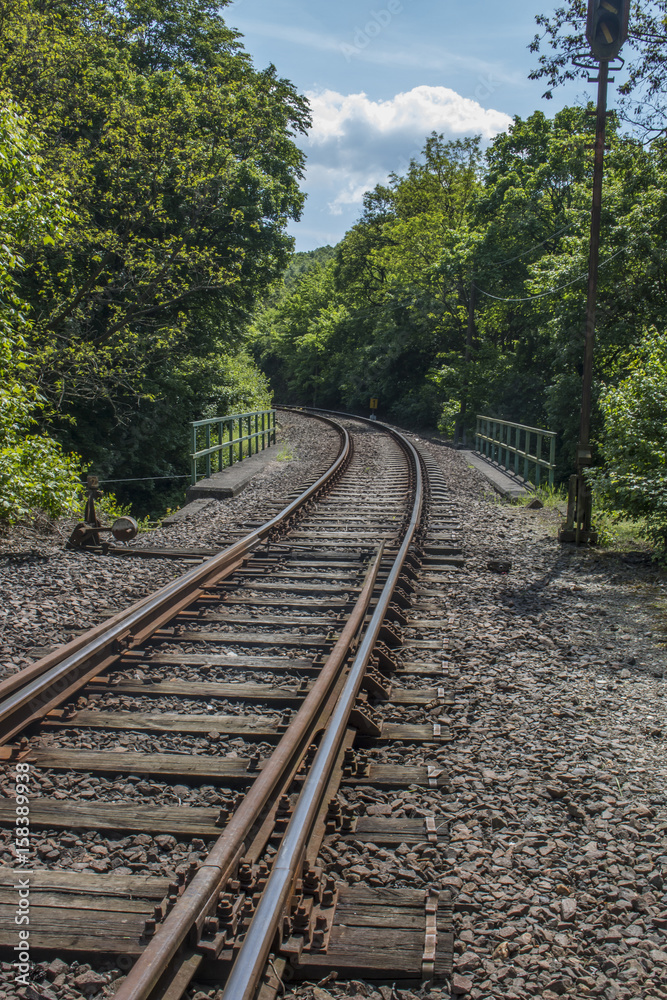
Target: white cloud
column 421, row 109
column 356, row 142
column 340, row 187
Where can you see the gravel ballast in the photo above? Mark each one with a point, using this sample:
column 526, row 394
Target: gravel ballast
column 49, row 593
column 557, row 855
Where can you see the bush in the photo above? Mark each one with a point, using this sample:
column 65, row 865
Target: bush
column 448, row 417
column 34, row 471
column 634, row 438
column 36, row 475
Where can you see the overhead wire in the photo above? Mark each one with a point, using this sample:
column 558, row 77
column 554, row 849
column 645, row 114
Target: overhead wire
column 559, row 288
column 405, row 302
column 510, row 260
column 528, row 298
column 551, row 291
column 144, row 479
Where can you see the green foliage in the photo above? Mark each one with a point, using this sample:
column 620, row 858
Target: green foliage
column 615, row 527
column 305, row 261
column 180, row 162
column 156, row 442
column 34, row 471
column 369, row 321
column 461, row 290
column 129, row 307
column 35, row 475
column 634, row 438
column 644, row 92
column 448, row 417
column 462, row 287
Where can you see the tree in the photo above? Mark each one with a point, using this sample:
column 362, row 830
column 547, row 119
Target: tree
column 395, row 322
column 644, row 92
column 181, row 161
column 293, row 335
column 408, row 265
column 634, row 437
column 34, row 472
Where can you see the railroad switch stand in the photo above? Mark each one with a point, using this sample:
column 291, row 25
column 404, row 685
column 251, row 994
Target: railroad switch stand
column 86, row 534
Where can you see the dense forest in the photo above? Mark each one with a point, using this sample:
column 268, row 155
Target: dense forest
column 461, row 289
column 148, row 173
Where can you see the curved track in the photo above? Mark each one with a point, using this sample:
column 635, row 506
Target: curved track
column 255, row 671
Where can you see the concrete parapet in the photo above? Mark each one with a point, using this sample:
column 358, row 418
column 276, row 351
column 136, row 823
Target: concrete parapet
column 503, row 482
column 233, row 480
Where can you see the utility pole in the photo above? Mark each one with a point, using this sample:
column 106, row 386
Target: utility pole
column 606, row 30
column 460, row 430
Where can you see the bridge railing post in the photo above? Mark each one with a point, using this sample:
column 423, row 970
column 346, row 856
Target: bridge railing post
column 508, row 444
column 229, row 439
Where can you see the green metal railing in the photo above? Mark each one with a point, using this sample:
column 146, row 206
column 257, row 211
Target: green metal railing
column 498, row 439
column 218, row 442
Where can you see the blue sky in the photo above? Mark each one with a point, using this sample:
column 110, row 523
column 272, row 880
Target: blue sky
column 381, row 76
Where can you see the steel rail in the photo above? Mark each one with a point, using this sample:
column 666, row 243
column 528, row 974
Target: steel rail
column 314, row 412
column 203, row 890
column 251, row 960
column 48, row 682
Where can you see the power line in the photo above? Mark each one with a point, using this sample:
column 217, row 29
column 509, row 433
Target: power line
column 146, row 479
column 530, row 298
column 552, row 291
column 395, row 303
column 510, row 260
column 405, row 302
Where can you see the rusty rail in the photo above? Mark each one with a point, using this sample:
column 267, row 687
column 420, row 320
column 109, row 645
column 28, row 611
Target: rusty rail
column 30, row 694
column 250, row 963
column 190, row 910
column 34, row 691
column 200, row 897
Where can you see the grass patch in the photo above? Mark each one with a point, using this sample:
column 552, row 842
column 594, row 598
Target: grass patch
column 549, row 496
column 615, row 529
column 285, row 454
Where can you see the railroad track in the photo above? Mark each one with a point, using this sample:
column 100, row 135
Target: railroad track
column 218, row 754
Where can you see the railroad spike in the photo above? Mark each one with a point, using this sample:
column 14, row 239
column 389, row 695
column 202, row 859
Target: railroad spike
column 223, row 817
column 349, row 821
